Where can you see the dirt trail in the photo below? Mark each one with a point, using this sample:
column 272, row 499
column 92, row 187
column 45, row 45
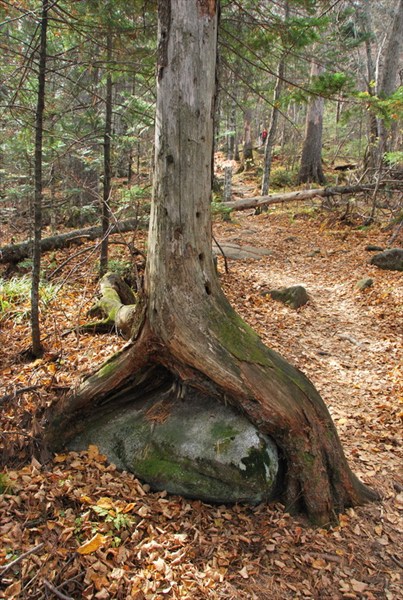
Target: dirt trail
column 349, row 342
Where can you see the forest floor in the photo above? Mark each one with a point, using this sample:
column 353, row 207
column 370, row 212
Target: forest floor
column 94, row 532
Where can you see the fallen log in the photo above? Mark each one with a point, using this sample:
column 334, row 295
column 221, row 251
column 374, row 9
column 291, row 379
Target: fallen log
column 257, row 201
column 14, row 253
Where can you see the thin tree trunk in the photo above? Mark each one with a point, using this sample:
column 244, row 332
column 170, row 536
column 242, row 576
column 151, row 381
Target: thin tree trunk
column 275, row 113
column 247, row 142
column 232, row 129
column 40, row 109
column 271, row 136
column 106, row 212
column 364, row 16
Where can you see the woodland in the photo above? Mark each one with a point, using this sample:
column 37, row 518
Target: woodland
column 201, row 199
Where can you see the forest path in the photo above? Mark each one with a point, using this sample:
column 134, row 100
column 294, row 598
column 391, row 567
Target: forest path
column 349, row 342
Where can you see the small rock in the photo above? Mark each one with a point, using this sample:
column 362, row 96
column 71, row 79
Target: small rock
column 365, row 283
column 372, row 248
column 294, row 296
column 391, row 260
column 314, row 252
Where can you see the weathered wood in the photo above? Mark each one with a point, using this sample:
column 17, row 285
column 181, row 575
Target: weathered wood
column 14, row 253
column 118, row 305
column 246, row 203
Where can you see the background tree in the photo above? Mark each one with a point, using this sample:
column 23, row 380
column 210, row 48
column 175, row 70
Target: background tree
column 311, row 169
column 37, row 205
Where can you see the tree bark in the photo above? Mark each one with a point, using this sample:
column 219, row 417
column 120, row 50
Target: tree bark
column 311, row 160
column 107, row 183
column 117, row 306
column 275, row 113
column 186, row 332
column 247, row 142
column 37, row 207
column 14, row 253
column 257, row 201
column 387, row 83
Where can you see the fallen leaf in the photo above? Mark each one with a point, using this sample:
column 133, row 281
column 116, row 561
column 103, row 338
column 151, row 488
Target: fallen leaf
column 358, row 586
column 244, row 573
column 92, row 545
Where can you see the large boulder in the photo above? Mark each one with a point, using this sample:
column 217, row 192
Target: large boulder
column 195, row 447
column 391, row 260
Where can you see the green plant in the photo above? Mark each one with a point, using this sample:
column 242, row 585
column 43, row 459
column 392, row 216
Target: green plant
column 124, row 268
column 394, row 159
column 114, row 516
column 5, row 484
column 281, row 177
column 219, row 209
column 15, row 297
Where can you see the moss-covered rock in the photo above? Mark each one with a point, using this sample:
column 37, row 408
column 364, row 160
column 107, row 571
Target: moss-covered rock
column 190, row 445
column 294, row 296
column 391, row 260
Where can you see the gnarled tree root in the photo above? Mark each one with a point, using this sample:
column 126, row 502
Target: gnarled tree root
column 230, row 363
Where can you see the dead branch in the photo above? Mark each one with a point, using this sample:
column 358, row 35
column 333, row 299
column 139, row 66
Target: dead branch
column 246, row 203
column 17, row 560
column 13, row 253
column 56, row 591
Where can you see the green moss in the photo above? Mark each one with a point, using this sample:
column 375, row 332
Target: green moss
column 238, row 338
column 309, row 459
column 108, row 368
column 155, row 466
column 257, row 464
column 221, row 430
column 244, row 343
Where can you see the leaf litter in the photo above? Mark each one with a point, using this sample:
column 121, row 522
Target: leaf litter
column 76, row 527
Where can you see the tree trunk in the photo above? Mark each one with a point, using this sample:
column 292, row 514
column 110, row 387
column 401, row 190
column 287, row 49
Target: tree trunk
column 387, row 83
column 186, row 330
column 311, row 160
column 259, row 201
column 247, row 142
column 106, row 211
column 232, row 135
column 364, row 19
column 36, row 254
column 271, row 136
column 275, row 113
column 379, row 138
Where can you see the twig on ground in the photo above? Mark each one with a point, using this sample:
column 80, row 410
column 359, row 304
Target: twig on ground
column 18, row 392
column 223, row 254
column 55, row 591
column 17, row 560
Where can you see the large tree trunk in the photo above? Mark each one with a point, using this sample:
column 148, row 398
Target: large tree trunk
column 311, row 160
column 186, row 331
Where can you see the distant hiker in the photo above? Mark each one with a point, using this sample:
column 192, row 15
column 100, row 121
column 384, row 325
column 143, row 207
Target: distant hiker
column 263, row 136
